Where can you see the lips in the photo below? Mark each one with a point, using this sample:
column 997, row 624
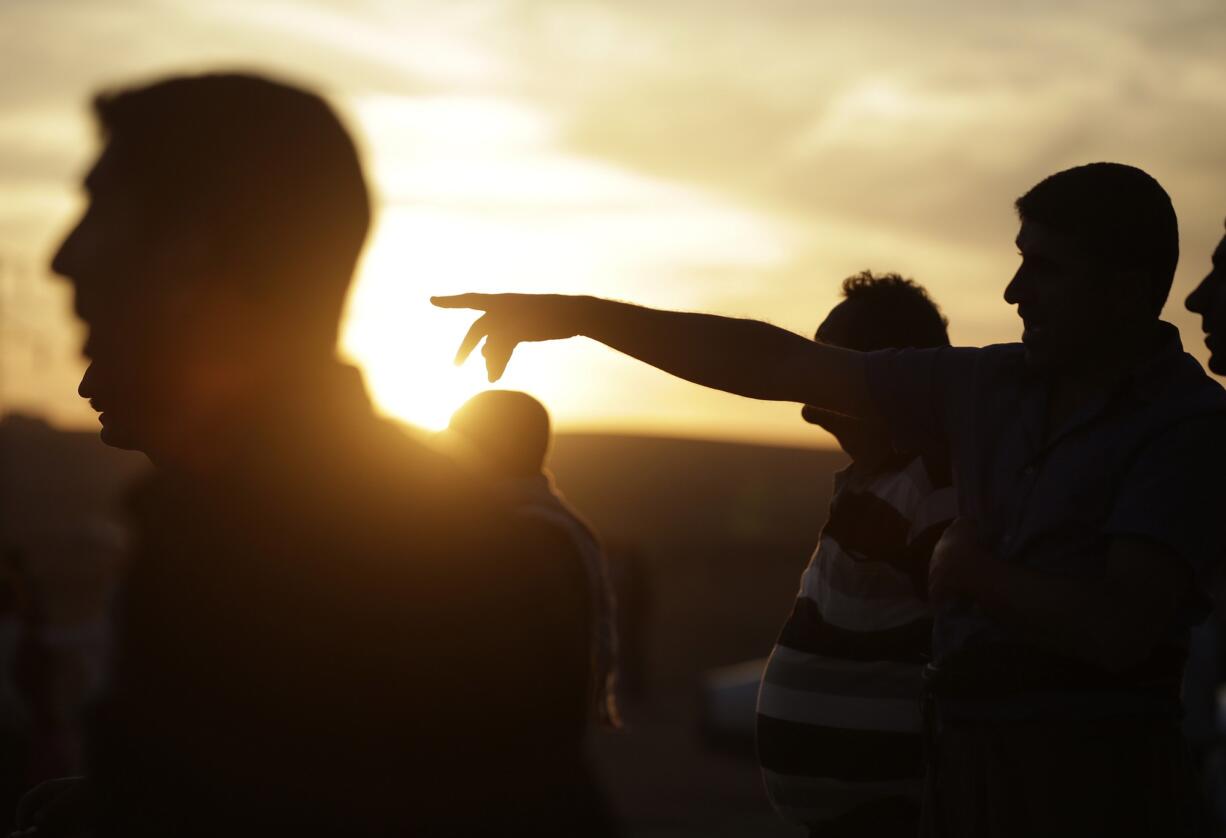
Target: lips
column 1032, row 324
column 1032, row 332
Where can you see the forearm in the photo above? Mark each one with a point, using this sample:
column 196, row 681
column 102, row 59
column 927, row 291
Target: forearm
column 1094, row 621
column 745, row 357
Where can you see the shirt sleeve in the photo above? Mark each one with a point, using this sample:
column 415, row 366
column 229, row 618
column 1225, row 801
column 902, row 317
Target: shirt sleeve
column 1175, row 494
column 921, row 396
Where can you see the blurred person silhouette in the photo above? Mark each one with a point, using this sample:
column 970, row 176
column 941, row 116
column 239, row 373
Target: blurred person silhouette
column 1087, row 461
column 860, row 630
column 14, row 712
column 34, row 724
column 326, row 627
column 508, row 434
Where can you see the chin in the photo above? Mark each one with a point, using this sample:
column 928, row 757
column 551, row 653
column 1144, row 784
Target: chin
column 117, row 437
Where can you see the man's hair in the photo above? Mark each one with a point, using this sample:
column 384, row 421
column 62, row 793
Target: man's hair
column 267, row 167
column 509, row 429
column 893, row 311
column 1122, row 216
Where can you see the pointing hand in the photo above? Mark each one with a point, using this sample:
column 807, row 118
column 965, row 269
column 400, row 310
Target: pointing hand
column 511, row 319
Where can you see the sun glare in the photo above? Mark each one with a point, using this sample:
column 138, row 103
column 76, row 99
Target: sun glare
column 477, row 197
column 405, row 345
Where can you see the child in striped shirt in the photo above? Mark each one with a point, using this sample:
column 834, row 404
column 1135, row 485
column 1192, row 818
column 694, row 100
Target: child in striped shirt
column 839, row 729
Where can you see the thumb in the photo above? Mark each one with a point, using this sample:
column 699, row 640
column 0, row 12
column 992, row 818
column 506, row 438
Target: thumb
column 497, row 352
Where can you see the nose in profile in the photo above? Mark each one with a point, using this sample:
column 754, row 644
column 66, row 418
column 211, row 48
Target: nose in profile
column 1016, row 290
column 1198, row 300
column 86, row 389
column 63, row 260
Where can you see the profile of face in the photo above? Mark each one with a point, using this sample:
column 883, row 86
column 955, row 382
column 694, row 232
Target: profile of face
column 1209, row 301
column 1066, row 306
column 838, row 329
column 129, row 290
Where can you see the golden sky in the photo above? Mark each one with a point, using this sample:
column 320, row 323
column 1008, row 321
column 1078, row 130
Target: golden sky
column 739, row 157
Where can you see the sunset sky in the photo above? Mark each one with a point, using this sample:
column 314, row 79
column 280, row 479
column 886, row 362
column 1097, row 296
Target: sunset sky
column 734, row 157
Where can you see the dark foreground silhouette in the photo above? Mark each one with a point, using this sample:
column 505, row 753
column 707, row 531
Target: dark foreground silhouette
column 327, row 628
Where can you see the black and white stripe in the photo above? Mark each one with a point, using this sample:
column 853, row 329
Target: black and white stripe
column 838, row 709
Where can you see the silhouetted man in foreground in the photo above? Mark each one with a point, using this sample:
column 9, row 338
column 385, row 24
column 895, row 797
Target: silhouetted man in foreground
column 506, row 435
column 327, row 629
column 1088, row 462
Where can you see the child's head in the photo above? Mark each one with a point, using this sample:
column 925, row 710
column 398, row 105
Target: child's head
column 508, row 430
column 878, row 311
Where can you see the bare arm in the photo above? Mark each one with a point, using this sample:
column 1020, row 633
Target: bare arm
column 1113, row 622
column 745, row 357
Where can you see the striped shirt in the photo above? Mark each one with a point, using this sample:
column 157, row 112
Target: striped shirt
column 838, row 709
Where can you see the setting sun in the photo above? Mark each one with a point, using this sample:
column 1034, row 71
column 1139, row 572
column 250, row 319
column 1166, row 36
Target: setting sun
column 396, row 334
column 607, row 149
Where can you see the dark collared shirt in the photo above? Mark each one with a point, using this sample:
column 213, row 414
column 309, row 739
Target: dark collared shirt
column 1147, row 460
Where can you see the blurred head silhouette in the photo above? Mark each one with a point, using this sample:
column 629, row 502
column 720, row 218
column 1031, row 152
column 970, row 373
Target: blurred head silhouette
column 879, row 311
column 507, row 429
column 1099, row 244
column 1209, row 301
column 225, row 216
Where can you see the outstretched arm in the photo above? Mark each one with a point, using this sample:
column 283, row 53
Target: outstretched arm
column 744, row 357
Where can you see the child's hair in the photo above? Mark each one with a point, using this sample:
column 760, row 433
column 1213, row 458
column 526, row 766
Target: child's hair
column 895, row 311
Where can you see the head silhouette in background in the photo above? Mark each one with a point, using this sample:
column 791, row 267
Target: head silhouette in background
column 226, row 214
column 1099, row 244
column 1209, row 301
column 879, row 311
column 509, row 430
column 505, row 435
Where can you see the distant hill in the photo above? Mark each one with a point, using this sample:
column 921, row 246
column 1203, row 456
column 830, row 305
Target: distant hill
column 723, row 528
column 50, row 478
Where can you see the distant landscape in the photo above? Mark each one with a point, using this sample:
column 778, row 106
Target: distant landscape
column 710, row 540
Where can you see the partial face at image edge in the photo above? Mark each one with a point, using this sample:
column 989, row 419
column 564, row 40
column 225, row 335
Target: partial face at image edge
column 1209, row 301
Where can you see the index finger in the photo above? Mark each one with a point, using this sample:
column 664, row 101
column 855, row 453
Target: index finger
column 477, row 301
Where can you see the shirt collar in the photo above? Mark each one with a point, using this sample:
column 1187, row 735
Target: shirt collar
column 1144, row 381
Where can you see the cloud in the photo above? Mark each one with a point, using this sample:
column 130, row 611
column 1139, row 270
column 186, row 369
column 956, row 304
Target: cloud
column 894, row 115
column 737, row 155
column 904, row 130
